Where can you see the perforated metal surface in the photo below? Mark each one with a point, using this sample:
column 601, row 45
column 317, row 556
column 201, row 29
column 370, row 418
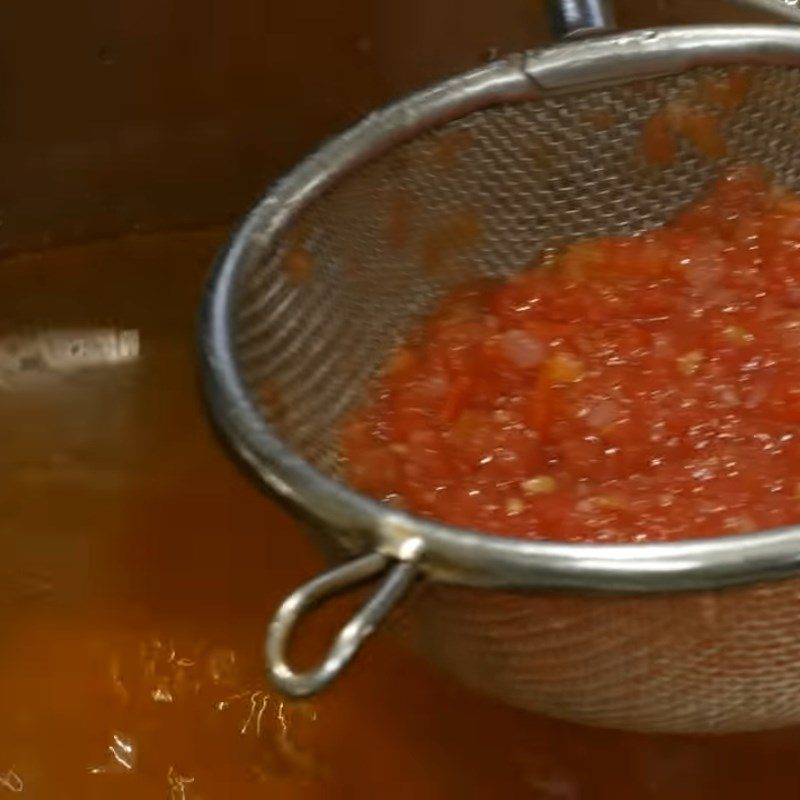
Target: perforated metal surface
column 481, row 196
column 315, row 317
column 700, row 662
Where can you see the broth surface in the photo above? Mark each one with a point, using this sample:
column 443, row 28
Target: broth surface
column 139, row 570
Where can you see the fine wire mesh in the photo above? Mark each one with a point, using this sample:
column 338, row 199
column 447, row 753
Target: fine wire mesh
column 482, row 196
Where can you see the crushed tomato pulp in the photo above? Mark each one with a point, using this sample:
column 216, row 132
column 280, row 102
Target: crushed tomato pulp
column 626, row 389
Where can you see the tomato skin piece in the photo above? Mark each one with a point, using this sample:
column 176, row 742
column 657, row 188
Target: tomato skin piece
column 456, row 399
column 659, row 142
column 539, row 408
column 631, row 389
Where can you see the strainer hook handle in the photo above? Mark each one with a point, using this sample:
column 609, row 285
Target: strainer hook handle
column 399, row 574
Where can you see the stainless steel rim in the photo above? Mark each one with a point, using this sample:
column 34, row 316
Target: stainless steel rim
column 447, row 553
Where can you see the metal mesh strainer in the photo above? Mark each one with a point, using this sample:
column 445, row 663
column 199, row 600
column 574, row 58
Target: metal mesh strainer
column 475, row 176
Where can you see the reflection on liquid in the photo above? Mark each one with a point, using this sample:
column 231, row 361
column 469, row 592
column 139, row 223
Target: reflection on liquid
column 138, row 568
column 178, row 784
column 11, row 782
column 122, row 755
column 63, row 351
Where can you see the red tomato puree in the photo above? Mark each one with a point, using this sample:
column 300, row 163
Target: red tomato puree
column 626, row 389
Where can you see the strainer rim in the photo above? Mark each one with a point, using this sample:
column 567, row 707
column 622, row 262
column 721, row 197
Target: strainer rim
column 451, row 553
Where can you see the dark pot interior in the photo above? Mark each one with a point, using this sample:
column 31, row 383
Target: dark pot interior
column 139, row 566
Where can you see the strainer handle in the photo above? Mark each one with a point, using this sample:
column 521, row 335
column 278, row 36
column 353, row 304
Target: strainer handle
column 399, row 576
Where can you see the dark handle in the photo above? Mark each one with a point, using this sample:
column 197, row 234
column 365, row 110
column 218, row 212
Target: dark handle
column 572, row 19
column 787, row 9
